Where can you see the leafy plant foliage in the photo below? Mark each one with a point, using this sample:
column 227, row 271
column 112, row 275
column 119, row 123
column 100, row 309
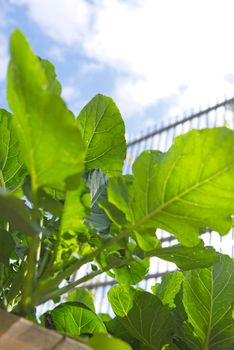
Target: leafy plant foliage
column 65, row 204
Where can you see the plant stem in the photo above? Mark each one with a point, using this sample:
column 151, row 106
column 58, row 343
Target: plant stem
column 26, row 303
column 88, row 258
column 60, row 291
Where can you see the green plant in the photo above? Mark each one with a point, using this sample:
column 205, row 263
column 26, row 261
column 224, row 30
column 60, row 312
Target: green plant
column 65, row 203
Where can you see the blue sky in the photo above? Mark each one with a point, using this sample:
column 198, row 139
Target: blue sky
column 156, row 58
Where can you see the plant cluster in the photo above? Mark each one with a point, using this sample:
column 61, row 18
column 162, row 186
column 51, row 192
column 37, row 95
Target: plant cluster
column 65, row 203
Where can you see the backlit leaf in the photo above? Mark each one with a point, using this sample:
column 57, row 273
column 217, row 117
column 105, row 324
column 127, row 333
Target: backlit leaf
column 121, row 299
column 104, row 134
column 169, row 287
column 149, row 320
column 184, row 190
column 74, row 319
column 12, row 170
column 208, row 298
column 50, row 140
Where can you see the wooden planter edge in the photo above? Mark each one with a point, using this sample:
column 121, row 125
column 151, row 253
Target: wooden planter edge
column 17, row 333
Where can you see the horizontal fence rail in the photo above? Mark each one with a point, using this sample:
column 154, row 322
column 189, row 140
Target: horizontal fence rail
column 221, row 114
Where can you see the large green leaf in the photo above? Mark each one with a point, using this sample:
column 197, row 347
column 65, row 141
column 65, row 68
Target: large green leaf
column 12, row 170
column 184, row 190
column 75, row 319
column 103, row 131
column 50, row 140
column 186, row 258
column 148, row 320
column 208, row 298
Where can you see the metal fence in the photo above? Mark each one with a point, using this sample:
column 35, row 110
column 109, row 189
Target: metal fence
column 161, row 138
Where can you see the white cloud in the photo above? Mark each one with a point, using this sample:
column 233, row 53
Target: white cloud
column 155, row 46
column 56, row 53
column 70, row 92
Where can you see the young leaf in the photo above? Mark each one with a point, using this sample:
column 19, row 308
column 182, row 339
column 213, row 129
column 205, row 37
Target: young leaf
column 133, row 272
column 12, row 170
column 167, row 290
column 208, row 296
column 148, row 320
column 82, row 296
column 7, row 246
column 121, row 299
column 50, row 140
column 103, row 131
column 185, row 189
column 74, row 319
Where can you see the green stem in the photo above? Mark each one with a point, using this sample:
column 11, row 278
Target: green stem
column 68, row 288
column 88, row 258
column 26, row 303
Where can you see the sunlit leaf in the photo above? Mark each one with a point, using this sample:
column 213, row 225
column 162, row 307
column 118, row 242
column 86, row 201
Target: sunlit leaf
column 50, row 140
column 169, row 287
column 208, row 299
column 148, row 320
column 82, row 296
column 121, row 299
column 75, row 319
column 12, row 170
column 104, row 134
column 183, row 190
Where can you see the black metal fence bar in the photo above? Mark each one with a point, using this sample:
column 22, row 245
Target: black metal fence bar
column 182, row 121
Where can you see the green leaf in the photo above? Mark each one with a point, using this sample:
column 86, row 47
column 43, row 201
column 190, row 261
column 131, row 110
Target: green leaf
column 186, row 258
column 97, row 183
column 147, row 240
column 76, row 209
column 106, row 342
column 183, row 190
column 50, row 140
column 149, row 320
column 208, row 298
column 17, row 214
column 167, row 290
column 103, row 132
column 82, row 296
column 12, row 170
column 53, row 85
column 133, row 272
column 7, row 246
column 121, row 299
column 74, row 319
